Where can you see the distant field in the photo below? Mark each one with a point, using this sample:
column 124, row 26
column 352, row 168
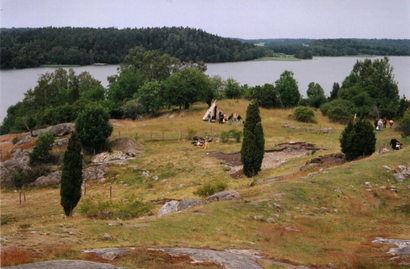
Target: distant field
column 288, row 58
column 59, row 65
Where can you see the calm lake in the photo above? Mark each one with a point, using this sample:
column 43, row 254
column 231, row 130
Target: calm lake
column 322, row 70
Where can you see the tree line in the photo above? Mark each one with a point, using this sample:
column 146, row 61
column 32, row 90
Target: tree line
column 148, row 81
column 306, row 48
column 32, row 47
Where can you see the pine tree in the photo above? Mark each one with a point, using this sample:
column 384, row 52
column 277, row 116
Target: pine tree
column 93, row 127
column 253, row 145
column 358, row 139
column 72, row 175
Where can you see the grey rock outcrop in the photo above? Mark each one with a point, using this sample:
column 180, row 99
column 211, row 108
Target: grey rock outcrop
column 226, row 259
column 174, row 206
column 51, row 179
column 399, row 176
column 65, row 264
column 183, row 205
column 59, row 129
column 168, row 208
column 108, row 253
column 403, row 246
column 92, row 173
column 223, row 196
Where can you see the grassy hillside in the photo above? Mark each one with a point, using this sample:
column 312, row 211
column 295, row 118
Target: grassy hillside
column 317, row 226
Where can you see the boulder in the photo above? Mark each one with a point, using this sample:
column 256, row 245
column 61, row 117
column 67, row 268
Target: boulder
column 270, row 220
column 108, row 253
column 168, row 208
column 223, row 196
column 59, row 129
column 95, row 172
column 399, row 176
column 51, row 179
column 384, row 150
column 62, row 129
column 187, row 204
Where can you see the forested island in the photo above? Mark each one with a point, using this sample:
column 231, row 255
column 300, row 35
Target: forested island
column 33, row 47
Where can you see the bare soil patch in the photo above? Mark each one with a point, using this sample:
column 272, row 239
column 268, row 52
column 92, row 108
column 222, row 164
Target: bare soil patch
column 127, row 145
column 271, row 159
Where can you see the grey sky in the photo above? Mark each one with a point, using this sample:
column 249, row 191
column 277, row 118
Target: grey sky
column 228, row 18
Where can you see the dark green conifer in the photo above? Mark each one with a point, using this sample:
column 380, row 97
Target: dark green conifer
column 358, row 140
column 72, row 175
column 253, row 145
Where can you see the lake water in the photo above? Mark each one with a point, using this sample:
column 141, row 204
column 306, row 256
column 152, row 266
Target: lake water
column 322, row 70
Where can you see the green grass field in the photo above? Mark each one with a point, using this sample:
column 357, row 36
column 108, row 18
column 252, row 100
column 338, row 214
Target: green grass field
column 342, row 235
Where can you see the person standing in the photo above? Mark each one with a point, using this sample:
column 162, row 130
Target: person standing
column 391, row 123
column 209, row 118
column 379, row 124
column 375, row 124
column 384, row 122
column 230, row 119
column 238, row 122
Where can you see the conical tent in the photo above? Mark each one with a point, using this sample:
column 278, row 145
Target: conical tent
column 214, row 110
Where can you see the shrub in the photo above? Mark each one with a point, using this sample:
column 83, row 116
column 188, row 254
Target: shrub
column 44, row 144
column 191, row 133
column 358, row 139
column 15, row 140
column 93, row 128
column 209, row 189
column 231, row 134
column 304, row 114
column 23, row 176
column 339, row 114
column 97, row 207
column 405, row 124
column 17, row 178
column 349, row 106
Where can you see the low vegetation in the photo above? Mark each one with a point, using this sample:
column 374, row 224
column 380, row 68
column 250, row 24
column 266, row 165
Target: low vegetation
column 314, row 225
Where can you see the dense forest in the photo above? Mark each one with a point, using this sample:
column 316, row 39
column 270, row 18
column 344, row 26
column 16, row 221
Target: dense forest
column 31, row 47
column 335, row 47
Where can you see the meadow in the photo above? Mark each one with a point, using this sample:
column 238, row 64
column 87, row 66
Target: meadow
column 315, row 226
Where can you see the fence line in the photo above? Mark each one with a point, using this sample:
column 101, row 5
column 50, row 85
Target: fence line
column 212, row 132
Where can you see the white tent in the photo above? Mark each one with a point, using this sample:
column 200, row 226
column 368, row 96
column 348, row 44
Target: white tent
column 214, row 109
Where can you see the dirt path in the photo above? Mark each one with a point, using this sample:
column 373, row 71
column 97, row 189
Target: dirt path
column 271, row 159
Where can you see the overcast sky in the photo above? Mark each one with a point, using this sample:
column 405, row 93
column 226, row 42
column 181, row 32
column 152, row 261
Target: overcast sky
column 228, row 18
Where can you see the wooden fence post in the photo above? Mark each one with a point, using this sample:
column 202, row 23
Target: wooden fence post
column 85, row 188
column 20, row 198
column 24, row 193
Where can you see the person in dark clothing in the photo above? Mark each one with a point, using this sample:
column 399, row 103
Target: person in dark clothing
column 375, row 124
column 238, row 122
column 393, row 143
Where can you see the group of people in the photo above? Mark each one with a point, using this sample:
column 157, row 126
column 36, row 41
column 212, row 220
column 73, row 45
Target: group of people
column 382, row 122
column 222, row 118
